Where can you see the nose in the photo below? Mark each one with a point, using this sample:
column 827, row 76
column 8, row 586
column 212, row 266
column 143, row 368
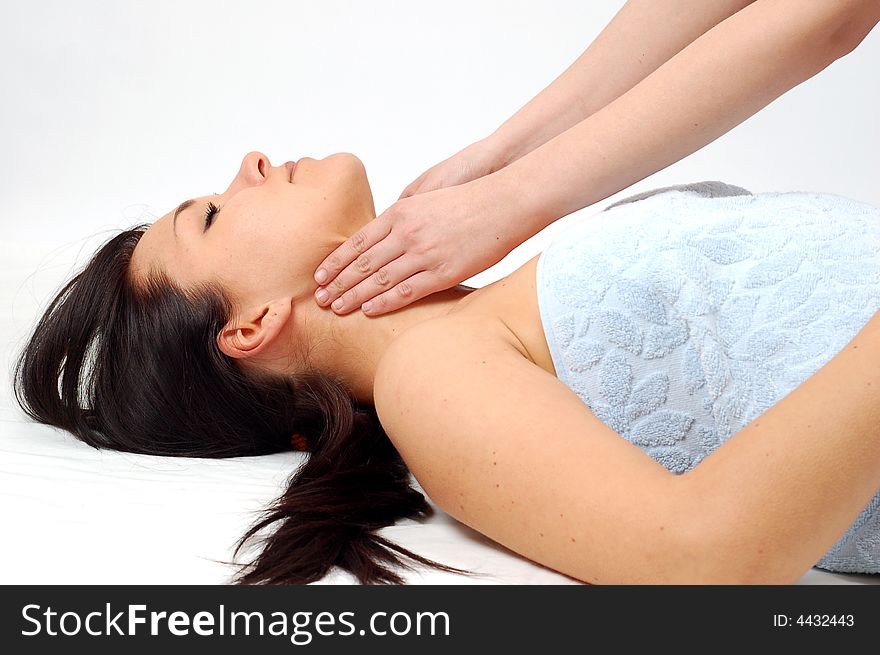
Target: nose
column 254, row 167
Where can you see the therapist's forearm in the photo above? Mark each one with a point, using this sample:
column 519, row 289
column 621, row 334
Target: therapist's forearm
column 641, row 36
column 712, row 85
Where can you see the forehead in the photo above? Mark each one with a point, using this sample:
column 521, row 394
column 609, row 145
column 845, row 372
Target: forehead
column 155, row 249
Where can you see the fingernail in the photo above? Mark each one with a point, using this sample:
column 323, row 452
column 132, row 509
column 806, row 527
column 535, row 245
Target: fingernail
column 337, row 304
column 320, row 276
column 322, row 295
column 367, row 306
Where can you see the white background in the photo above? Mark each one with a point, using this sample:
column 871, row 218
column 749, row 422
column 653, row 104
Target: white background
column 114, row 112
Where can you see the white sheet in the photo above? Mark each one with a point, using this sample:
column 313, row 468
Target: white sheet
column 72, row 514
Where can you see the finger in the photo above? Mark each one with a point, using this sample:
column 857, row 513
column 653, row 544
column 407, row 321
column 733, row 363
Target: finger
column 412, row 188
column 358, row 243
column 386, row 277
column 408, row 291
column 371, row 264
column 417, row 186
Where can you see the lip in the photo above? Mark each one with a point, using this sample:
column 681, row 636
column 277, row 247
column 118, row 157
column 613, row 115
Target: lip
column 291, row 166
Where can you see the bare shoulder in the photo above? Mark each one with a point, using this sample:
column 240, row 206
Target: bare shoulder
column 506, row 448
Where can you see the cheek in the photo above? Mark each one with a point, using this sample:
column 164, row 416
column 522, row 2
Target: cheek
column 257, row 258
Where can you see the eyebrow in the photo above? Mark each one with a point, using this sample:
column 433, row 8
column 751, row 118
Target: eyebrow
column 180, row 208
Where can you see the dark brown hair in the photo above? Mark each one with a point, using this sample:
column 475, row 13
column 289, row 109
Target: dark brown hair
column 136, row 368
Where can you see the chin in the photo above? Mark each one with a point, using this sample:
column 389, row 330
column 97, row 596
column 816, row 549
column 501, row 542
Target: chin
column 350, row 159
column 352, row 170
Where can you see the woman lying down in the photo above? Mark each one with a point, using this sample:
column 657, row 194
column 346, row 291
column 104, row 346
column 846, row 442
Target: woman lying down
column 684, row 388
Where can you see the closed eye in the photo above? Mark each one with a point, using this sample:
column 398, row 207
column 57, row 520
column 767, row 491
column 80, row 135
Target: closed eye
column 210, row 213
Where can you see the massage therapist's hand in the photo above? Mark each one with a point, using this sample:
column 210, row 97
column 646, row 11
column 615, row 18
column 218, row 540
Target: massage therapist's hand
column 476, row 160
column 418, row 246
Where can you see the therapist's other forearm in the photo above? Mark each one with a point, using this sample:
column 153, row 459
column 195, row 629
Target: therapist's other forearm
column 641, row 36
column 715, row 83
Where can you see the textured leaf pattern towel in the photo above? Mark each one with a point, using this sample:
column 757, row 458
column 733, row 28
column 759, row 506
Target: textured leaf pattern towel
column 680, row 315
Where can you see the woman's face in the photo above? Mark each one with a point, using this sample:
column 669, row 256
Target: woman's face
column 270, row 230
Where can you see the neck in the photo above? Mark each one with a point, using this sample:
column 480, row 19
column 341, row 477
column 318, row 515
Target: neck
column 350, row 346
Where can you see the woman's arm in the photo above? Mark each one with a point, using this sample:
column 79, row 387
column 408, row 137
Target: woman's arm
column 642, row 36
column 508, row 449
column 783, row 490
column 712, row 85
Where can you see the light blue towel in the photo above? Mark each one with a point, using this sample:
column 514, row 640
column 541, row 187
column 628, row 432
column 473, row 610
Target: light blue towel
column 680, row 315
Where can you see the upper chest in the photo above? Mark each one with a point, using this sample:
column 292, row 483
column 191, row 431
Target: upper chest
column 514, row 301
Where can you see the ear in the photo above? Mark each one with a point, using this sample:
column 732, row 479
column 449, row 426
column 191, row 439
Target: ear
column 251, row 334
